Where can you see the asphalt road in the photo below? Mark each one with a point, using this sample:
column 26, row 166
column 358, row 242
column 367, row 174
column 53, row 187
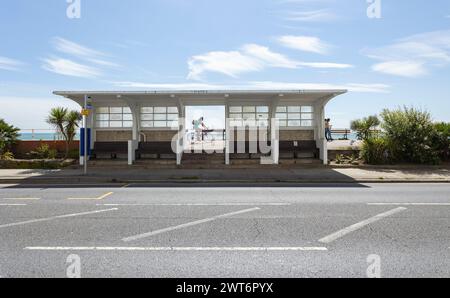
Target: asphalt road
column 390, row 230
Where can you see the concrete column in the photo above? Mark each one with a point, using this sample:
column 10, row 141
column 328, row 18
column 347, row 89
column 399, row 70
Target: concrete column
column 227, row 135
column 181, row 132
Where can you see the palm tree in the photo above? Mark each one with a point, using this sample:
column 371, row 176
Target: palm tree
column 8, row 136
column 66, row 123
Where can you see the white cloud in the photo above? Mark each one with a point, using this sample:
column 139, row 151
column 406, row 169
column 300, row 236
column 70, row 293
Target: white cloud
column 258, row 85
column 267, row 56
column 229, row 63
column 250, row 58
column 320, row 15
column 325, row 65
column 413, row 56
column 409, row 69
column 81, row 52
column 304, row 43
column 70, row 68
column 10, row 64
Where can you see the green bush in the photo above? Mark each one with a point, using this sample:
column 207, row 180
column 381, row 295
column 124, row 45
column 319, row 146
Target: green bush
column 375, row 151
column 43, row 152
column 442, row 140
column 8, row 155
column 365, row 127
column 8, row 136
column 409, row 134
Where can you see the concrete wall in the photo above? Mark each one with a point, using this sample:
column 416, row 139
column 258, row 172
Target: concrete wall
column 21, row 148
column 113, row 135
column 296, row 135
column 159, row 135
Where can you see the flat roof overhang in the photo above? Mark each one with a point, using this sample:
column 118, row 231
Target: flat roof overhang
column 203, row 96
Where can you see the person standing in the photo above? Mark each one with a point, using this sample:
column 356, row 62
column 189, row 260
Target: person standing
column 328, row 127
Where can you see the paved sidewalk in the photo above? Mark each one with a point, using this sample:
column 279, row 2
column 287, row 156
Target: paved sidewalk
column 305, row 174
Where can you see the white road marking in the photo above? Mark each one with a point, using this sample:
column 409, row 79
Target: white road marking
column 95, row 199
column 189, row 224
column 55, row 217
column 62, row 248
column 200, row 204
column 359, row 225
column 13, row 205
column 21, row 199
column 408, row 204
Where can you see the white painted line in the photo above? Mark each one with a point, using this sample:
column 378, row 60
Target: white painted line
column 408, row 204
column 62, row 248
column 200, row 204
column 189, row 224
column 13, row 205
column 21, row 199
column 95, row 199
column 359, row 225
column 55, row 217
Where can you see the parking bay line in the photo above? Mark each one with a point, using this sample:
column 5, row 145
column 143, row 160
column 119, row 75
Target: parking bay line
column 13, row 205
column 408, row 204
column 21, row 199
column 95, row 199
column 359, row 225
column 62, row 248
column 189, row 224
column 55, row 217
column 201, row 204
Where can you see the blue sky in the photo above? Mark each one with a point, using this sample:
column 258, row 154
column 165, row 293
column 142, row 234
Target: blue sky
column 403, row 58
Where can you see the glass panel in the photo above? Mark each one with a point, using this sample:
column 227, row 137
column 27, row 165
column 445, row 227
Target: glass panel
column 281, row 116
column 115, row 117
column 294, row 116
column 172, row 116
column 307, row 116
column 115, row 110
column 115, row 123
column 282, row 123
column 263, row 123
column 281, row 109
column 307, row 123
column 307, row 109
column 102, row 110
column 102, row 124
column 236, row 116
column 147, row 110
column 249, row 116
column 128, row 124
column 173, row 110
column 160, row 116
column 293, row 109
column 292, row 123
column 262, row 109
column 126, row 110
column 236, row 123
column 235, row 109
column 249, row 109
column 262, row 116
column 251, row 122
column 160, row 124
column 146, row 116
column 173, row 123
column 160, row 109
column 103, row 117
column 147, row 123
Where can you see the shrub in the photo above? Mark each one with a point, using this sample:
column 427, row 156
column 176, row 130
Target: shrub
column 6, row 155
column 8, row 136
column 375, row 151
column 365, row 127
column 43, row 152
column 409, row 135
column 442, row 140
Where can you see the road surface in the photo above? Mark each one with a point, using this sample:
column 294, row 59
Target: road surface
column 347, row 230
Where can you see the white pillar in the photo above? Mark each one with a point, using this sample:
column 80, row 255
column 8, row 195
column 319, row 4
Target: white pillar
column 227, row 135
column 181, row 132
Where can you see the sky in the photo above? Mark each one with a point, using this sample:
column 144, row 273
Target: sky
column 388, row 55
